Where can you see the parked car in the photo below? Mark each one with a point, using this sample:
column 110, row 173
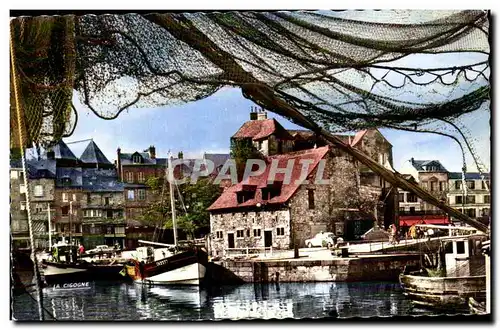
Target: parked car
column 101, row 248
column 321, row 239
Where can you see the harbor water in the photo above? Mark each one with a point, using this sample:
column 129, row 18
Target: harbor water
column 129, row 301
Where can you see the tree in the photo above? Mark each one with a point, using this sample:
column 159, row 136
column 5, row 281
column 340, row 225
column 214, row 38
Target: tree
column 241, row 151
column 191, row 203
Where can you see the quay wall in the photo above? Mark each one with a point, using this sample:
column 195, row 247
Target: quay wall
column 367, row 268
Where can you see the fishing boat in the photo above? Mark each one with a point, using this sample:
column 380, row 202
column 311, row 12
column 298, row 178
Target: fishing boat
column 64, row 266
column 167, row 264
column 459, row 276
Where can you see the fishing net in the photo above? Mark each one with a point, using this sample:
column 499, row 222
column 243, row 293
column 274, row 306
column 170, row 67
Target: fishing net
column 336, row 68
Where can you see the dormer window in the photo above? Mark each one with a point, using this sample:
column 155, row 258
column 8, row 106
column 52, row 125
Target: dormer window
column 247, row 193
column 272, row 190
column 136, row 159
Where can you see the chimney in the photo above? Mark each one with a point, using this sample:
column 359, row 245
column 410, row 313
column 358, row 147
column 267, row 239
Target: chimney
column 180, row 155
column 253, row 113
column 412, row 160
column 118, row 163
column 262, row 115
column 152, row 152
column 51, row 155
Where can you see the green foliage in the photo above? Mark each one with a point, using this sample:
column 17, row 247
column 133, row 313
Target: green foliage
column 196, row 197
column 241, row 151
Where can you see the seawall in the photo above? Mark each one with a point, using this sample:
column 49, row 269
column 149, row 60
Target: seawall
column 363, row 268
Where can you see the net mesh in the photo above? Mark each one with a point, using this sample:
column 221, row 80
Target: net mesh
column 342, row 70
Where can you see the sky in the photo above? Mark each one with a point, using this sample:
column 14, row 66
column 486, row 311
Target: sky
column 208, row 124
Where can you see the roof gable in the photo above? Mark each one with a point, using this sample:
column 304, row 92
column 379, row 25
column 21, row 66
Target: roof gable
column 261, row 129
column 62, row 151
column 93, row 155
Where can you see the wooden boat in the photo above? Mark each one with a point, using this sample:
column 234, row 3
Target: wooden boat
column 442, row 292
column 182, row 268
column 60, row 273
column 166, row 264
column 462, row 276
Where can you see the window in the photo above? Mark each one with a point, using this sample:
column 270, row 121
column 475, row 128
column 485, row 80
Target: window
column 106, row 200
column 425, row 185
column 141, row 194
column 13, row 175
column 471, row 213
column 64, row 197
column 22, row 189
column 65, row 211
column 130, row 195
column 310, row 193
column 248, row 232
column 38, row 191
column 240, row 233
column 38, row 208
column 23, row 206
column 109, row 214
column 256, row 233
column 486, row 199
column 412, row 210
column 485, row 185
column 280, row 231
column 461, row 247
column 401, row 209
column 458, row 200
column 401, row 197
column 95, row 230
column 458, row 185
column 129, row 176
column 74, row 197
column 120, row 230
column 219, row 234
column 471, row 199
column 140, row 176
column 471, row 185
column 442, row 186
column 434, row 185
column 412, row 198
column 88, row 198
column 136, row 159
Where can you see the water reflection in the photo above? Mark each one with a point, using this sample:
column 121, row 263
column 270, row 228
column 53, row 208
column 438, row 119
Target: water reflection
column 261, row 301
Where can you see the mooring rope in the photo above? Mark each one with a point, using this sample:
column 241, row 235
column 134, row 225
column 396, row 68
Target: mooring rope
column 26, row 181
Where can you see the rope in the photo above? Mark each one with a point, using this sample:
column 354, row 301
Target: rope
column 26, row 181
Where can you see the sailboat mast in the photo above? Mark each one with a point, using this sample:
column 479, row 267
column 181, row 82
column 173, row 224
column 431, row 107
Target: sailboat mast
column 172, row 201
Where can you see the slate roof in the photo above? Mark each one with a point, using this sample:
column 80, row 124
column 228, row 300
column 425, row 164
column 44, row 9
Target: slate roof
column 62, row 151
column 468, row 176
column 420, row 164
column 73, row 173
column 218, row 159
column 93, row 155
column 126, row 159
column 44, row 168
column 261, row 129
column 97, row 179
column 228, row 199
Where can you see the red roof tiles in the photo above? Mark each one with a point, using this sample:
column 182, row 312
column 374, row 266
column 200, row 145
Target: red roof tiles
column 228, row 199
column 260, row 129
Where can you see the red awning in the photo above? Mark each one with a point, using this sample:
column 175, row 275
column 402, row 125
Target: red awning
column 434, row 221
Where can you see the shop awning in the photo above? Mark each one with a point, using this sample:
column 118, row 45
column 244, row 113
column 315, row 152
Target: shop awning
column 409, row 221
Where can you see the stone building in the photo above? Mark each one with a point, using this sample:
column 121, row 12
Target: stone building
column 432, row 176
column 259, row 214
column 475, row 199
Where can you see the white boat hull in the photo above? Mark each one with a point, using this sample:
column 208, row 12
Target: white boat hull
column 191, row 274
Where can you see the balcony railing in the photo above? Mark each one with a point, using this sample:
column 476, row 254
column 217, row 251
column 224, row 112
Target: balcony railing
column 419, row 213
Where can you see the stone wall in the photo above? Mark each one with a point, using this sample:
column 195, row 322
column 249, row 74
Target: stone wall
column 373, row 268
column 268, row 220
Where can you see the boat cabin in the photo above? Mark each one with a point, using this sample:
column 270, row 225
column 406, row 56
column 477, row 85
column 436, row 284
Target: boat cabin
column 462, row 255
